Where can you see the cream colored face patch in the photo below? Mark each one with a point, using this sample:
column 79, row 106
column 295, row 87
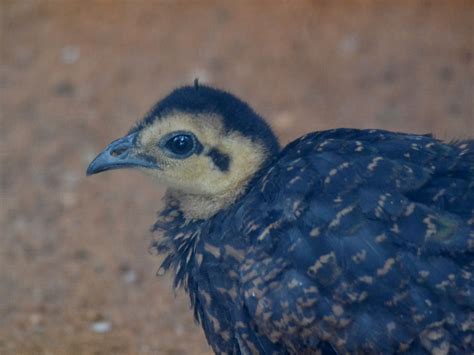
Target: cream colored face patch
column 218, row 173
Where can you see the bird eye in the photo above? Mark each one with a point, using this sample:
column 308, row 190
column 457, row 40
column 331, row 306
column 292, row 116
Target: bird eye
column 180, row 145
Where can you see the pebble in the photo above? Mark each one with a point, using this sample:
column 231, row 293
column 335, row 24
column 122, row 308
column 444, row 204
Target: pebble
column 101, row 327
column 130, row 277
column 70, row 54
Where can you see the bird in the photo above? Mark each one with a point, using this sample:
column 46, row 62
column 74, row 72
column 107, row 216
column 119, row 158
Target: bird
column 344, row 241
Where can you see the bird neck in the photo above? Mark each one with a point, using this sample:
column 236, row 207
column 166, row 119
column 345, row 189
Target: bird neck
column 180, row 225
column 203, row 207
column 176, row 239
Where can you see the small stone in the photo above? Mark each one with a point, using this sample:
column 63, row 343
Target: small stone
column 70, row 54
column 349, row 44
column 101, row 327
column 35, row 319
column 64, row 88
column 130, row 277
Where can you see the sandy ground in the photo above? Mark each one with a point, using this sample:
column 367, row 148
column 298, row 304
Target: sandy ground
column 76, row 276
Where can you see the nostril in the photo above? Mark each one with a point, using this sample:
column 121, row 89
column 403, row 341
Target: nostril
column 118, row 151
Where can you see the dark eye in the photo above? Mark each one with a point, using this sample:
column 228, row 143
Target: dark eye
column 181, row 145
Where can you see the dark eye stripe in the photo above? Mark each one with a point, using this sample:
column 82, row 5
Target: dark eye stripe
column 221, row 160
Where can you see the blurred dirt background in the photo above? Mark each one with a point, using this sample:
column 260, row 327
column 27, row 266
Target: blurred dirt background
column 75, row 273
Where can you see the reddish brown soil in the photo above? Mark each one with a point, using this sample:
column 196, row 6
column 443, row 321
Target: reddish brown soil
column 76, row 74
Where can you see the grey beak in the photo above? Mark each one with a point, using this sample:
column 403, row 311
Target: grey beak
column 120, row 154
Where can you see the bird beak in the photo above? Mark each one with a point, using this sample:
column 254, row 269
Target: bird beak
column 121, row 153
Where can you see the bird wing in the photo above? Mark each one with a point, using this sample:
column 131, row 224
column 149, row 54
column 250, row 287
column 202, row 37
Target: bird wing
column 363, row 239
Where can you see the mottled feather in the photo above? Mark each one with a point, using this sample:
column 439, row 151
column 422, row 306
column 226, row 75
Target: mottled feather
column 352, row 241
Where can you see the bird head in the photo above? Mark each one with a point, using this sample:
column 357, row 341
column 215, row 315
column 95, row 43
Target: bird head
column 204, row 144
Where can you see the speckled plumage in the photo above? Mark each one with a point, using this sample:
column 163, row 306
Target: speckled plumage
column 348, row 241
column 360, row 238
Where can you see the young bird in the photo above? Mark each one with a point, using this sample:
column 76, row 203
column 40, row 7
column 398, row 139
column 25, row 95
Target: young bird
column 345, row 241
